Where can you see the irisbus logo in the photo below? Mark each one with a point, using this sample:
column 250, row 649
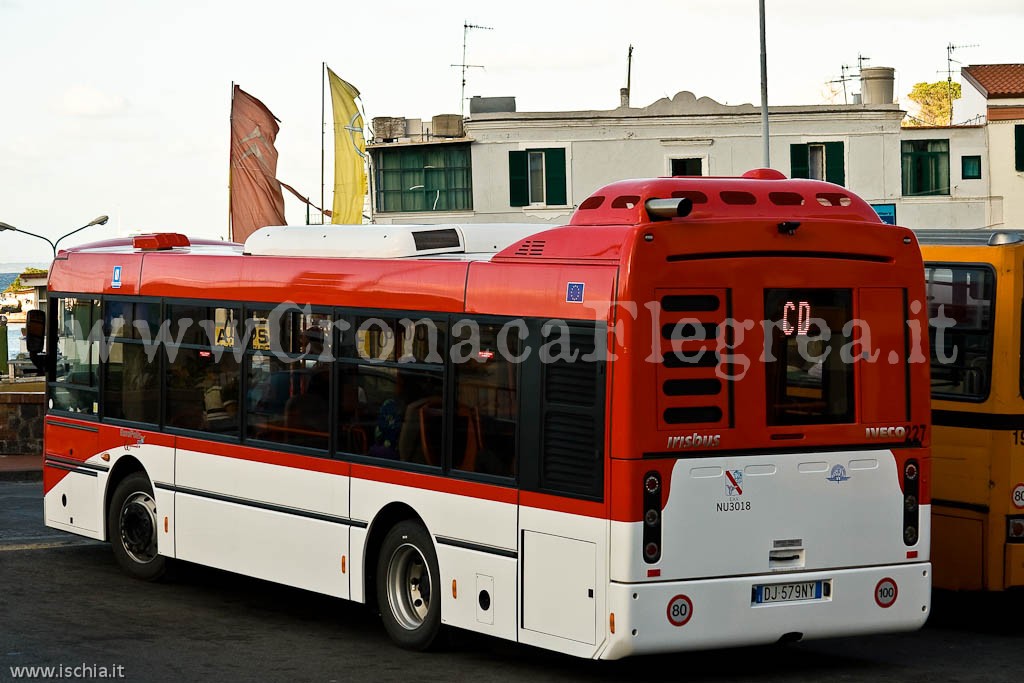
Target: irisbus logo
column 695, row 441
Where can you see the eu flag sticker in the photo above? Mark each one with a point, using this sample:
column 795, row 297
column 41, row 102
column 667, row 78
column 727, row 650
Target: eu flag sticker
column 574, row 293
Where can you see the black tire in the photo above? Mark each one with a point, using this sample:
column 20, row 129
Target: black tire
column 132, row 528
column 409, row 587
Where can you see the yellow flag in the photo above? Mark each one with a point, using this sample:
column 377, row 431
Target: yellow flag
column 349, row 153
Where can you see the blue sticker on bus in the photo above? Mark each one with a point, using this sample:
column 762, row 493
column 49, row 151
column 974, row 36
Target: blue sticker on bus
column 574, row 293
column 116, row 282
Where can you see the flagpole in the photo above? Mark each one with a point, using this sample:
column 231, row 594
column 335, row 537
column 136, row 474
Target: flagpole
column 231, row 122
column 366, row 161
column 323, row 131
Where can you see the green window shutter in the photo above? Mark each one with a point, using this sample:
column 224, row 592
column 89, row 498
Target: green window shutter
column 1018, row 139
column 518, row 179
column 554, row 176
column 798, row 166
column 835, row 164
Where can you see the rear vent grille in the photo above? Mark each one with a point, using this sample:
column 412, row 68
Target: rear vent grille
column 570, row 454
column 708, row 359
column 571, row 383
column 692, row 387
column 690, row 391
column 573, row 412
column 531, row 248
column 436, row 239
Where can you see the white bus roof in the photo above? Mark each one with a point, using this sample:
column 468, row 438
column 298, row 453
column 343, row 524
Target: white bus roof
column 387, row 241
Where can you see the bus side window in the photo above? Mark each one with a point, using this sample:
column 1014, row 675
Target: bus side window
column 485, row 420
column 961, row 307
column 76, row 388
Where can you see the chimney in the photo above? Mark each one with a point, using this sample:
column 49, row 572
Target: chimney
column 623, row 97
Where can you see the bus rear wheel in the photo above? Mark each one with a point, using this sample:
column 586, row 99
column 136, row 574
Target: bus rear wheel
column 408, row 587
column 132, row 528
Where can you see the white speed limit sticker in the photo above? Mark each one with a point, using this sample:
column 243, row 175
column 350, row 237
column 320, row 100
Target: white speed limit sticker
column 680, row 609
column 1018, row 496
column 886, row 592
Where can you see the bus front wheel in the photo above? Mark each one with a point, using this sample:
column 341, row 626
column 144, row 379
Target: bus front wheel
column 132, row 528
column 408, row 587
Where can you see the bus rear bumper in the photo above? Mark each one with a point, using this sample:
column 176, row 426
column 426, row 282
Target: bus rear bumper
column 689, row 615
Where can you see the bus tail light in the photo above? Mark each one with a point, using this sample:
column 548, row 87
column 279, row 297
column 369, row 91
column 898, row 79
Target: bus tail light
column 911, row 508
column 1015, row 529
column 652, row 517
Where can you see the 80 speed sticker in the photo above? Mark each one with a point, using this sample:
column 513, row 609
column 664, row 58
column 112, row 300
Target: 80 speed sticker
column 679, row 610
column 886, row 592
column 1018, row 496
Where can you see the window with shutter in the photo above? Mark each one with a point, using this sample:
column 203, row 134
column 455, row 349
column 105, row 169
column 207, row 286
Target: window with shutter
column 1018, row 139
column 819, row 161
column 518, row 179
column 835, row 164
column 798, row 161
column 537, row 177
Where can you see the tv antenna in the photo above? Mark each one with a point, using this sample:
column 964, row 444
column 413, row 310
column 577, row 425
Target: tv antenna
column 843, row 78
column 847, row 76
column 949, row 74
column 466, row 26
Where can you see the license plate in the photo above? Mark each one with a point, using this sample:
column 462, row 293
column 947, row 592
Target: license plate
column 798, row 591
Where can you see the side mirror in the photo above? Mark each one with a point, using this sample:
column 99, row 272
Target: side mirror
column 35, row 331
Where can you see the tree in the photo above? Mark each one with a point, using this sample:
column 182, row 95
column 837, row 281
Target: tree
column 16, row 284
column 936, row 103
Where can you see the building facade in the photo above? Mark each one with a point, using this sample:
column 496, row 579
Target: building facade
column 994, row 93
column 509, row 166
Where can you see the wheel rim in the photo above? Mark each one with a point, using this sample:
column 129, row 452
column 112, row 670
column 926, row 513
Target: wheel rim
column 409, row 586
column 138, row 527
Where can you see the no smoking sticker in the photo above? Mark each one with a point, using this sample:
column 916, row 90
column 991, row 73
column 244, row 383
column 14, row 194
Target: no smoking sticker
column 1018, row 496
column 679, row 611
column 886, row 592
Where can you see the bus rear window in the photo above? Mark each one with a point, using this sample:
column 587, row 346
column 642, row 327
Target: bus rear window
column 806, row 379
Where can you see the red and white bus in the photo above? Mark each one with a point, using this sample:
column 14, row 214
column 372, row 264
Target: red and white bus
column 696, row 416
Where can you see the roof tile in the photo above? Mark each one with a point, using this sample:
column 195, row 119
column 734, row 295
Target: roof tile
column 996, row 80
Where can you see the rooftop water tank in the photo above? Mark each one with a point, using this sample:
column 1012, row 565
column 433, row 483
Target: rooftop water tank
column 446, row 126
column 388, row 128
column 876, row 84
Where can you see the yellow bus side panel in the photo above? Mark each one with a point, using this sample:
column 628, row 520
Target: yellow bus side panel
column 957, row 545
column 961, row 461
column 1014, row 565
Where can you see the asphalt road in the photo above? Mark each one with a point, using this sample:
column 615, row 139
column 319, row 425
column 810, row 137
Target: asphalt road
column 63, row 602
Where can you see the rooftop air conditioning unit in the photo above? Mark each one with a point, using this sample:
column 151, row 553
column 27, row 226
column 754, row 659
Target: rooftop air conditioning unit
column 388, row 128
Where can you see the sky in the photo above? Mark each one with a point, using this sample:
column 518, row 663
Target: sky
column 121, row 107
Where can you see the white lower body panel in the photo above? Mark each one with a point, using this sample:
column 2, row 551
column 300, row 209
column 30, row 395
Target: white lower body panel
column 722, row 613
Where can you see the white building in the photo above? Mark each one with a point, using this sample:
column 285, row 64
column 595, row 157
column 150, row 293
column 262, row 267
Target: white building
column 36, row 282
column 994, row 93
column 505, row 165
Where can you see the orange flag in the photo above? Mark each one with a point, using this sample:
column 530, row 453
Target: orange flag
column 255, row 194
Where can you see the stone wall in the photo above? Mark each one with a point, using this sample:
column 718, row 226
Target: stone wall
column 21, row 423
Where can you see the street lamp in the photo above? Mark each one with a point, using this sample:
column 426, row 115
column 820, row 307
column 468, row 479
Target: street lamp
column 764, row 91
column 99, row 220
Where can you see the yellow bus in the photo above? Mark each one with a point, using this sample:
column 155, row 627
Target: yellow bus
column 974, row 292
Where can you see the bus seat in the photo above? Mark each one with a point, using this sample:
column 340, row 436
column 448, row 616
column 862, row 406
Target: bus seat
column 306, row 415
column 465, row 440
